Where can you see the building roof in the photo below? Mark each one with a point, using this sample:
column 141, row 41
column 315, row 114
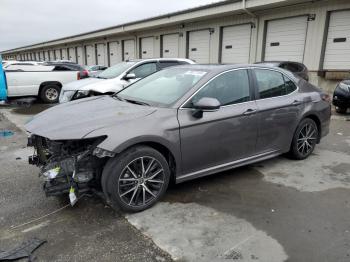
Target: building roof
column 167, row 15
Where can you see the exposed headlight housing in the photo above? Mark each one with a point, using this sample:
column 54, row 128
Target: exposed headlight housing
column 66, row 95
column 81, row 94
column 101, row 153
column 344, row 87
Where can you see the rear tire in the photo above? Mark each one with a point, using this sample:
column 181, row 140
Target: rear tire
column 136, row 179
column 50, row 93
column 304, row 139
column 341, row 110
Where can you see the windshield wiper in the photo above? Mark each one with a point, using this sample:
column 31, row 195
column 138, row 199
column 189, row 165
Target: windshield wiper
column 115, row 95
column 137, row 102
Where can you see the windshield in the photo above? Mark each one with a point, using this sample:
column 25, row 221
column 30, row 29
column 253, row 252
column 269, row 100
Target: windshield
column 116, row 70
column 164, row 87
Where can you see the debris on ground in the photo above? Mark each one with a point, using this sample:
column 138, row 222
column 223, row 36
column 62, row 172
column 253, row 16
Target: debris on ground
column 24, row 250
column 6, row 133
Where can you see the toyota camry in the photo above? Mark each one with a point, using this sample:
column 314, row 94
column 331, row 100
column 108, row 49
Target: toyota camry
column 175, row 125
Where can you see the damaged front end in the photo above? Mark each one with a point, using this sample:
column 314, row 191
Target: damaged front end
column 68, row 166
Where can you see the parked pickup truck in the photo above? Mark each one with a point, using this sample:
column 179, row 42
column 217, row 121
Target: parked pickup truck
column 38, row 80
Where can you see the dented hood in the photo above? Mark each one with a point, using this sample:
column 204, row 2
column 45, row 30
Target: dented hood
column 96, row 84
column 75, row 120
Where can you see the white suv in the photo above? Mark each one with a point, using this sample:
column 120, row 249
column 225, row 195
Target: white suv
column 117, row 77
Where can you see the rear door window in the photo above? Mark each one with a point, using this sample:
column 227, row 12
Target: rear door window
column 144, row 70
column 290, row 86
column 272, row 83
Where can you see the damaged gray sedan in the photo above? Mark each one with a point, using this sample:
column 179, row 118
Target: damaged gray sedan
column 177, row 124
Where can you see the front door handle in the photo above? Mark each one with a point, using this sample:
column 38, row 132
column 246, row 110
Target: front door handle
column 249, row 111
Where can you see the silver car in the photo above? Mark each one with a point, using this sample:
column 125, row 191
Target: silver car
column 178, row 124
column 117, row 77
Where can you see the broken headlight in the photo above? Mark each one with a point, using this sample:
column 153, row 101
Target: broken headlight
column 101, row 153
column 81, row 94
column 66, row 95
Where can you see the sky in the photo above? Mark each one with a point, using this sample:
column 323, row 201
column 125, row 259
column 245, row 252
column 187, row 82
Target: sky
column 25, row 22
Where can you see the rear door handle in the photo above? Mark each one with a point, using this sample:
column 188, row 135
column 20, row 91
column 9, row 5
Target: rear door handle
column 249, row 111
column 296, row 103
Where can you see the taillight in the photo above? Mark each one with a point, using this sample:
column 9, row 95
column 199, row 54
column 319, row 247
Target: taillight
column 78, row 76
column 326, row 97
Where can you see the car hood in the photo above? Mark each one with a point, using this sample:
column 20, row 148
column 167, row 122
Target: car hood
column 76, row 85
column 95, row 84
column 75, row 120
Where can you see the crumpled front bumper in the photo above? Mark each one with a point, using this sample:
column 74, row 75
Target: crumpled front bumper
column 62, row 173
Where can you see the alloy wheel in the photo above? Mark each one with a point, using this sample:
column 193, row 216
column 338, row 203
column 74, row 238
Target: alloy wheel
column 141, row 181
column 306, row 139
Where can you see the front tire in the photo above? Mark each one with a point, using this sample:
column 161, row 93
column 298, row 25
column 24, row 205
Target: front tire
column 136, row 179
column 304, row 139
column 50, row 93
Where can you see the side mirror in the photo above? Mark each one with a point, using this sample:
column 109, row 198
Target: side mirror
column 130, row 76
column 205, row 104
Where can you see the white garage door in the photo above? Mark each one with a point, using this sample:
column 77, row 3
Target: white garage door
column 46, row 56
column 199, row 46
column 64, row 54
column 236, row 44
column 337, row 54
column 101, row 54
column 114, row 57
column 89, row 55
column 285, row 39
column 128, row 49
column 57, row 54
column 52, row 55
column 147, row 44
column 170, row 45
column 80, row 60
column 72, row 56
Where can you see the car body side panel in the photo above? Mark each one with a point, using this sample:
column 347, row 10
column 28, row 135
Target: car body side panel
column 218, row 137
column 315, row 106
column 278, row 118
column 160, row 127
column 28, row 83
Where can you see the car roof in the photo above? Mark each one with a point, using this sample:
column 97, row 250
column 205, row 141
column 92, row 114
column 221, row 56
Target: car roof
column 161, row 59
column 276, row 62
column 216, row 69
